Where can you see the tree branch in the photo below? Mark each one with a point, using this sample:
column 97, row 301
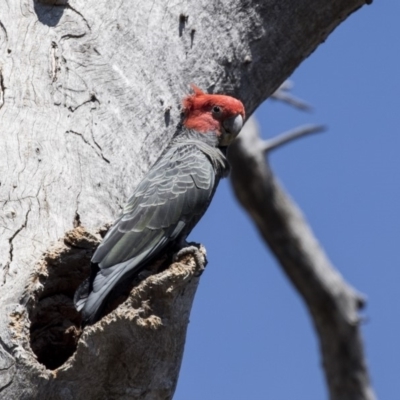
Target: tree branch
column 333, row 304
column 283, row 94
column 286, row 137
column 116, row 77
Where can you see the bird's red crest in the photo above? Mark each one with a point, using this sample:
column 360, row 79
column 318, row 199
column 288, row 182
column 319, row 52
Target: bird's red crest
column 189, row 101
column 198, row 108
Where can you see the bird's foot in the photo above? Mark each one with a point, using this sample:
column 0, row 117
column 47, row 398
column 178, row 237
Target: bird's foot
column 193, row 250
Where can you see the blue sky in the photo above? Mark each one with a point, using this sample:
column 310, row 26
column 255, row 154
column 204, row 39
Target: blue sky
column 250, row 336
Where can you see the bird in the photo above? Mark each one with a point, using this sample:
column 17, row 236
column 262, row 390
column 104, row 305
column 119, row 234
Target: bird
column 169, row 200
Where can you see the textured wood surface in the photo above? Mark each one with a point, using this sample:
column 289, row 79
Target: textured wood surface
column 90, row 94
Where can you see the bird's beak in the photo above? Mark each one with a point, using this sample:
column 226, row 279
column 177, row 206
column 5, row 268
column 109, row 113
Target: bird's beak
column 233, row 125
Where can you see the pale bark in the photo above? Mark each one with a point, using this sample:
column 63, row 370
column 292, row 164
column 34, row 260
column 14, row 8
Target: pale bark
column 332, row 303
column 90, row 94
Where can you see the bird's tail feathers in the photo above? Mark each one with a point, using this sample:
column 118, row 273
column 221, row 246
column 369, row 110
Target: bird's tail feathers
column 82, row 294
column 91, row 298
column 94, row 303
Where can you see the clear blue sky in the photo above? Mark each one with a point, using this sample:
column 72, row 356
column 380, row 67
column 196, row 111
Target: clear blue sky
column 250, row 336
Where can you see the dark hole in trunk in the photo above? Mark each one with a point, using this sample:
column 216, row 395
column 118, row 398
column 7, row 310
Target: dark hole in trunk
column 55, row 323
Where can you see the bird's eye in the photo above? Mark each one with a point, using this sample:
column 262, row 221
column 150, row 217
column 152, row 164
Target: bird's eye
column 216, row 110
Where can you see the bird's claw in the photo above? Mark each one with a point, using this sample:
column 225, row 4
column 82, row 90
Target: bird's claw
column 198, row 256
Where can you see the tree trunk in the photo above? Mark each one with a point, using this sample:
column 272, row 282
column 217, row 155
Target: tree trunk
column 89, row 97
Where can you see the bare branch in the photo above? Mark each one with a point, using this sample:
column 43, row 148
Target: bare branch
column 333, row 304
column 286, row 137
column 283, row 94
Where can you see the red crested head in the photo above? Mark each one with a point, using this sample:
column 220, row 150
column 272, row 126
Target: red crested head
column 217, row 113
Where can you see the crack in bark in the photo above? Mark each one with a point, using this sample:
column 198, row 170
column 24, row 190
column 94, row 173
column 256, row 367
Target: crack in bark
column 17, row 200
column 89, row 144
column 98, row 146
column 11, row 367
column 3, row 28
column 7, row 384
column 55, row 61
column 7, row 368
column 5, row 347
column 2, row 89
column 56, row 57
column 80, row 14
column 92, row 99
column 77, row 219
column 11, row 251
column 72, row 36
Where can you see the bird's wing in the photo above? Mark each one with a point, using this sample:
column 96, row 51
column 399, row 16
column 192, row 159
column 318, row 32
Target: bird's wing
column 175, row 192
column 177, row 189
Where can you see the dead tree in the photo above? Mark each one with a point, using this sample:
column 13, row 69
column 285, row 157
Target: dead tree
column 89, row 96
column 332, row 303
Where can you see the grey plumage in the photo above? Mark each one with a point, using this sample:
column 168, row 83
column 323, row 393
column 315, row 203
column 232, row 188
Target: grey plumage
column 160, row 214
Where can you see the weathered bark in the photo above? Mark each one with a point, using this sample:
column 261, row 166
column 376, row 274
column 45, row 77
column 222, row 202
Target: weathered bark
column 89, row 96
column 332, row 303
